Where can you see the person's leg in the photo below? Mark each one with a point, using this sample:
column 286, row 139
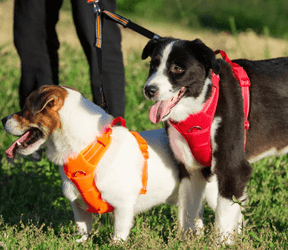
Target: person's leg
column 37, row 44
column 113, row 69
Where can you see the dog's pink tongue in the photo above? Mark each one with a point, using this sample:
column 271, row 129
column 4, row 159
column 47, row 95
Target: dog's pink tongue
column 10, row 152
column 162, row 108
column 159, row 110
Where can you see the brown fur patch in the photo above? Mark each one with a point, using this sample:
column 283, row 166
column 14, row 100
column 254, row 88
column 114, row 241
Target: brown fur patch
column 41, row 109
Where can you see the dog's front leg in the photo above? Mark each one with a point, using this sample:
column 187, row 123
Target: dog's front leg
column 83, row 220
column 191, row 192
column 123, row 221
column 228, row 218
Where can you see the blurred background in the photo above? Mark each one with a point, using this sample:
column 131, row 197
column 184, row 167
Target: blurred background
column 246, row 28
column 215, row 14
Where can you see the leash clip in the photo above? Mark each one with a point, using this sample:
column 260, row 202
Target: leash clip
column 96, row 7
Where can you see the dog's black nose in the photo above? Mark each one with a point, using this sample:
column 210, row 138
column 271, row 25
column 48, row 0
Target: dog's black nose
column 150, row 91
column 4, row 120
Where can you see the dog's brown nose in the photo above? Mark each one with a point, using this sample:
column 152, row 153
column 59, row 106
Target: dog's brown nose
column 150, row 91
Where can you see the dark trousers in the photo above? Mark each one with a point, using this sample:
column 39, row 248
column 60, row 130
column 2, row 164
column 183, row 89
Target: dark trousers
column 37, row 44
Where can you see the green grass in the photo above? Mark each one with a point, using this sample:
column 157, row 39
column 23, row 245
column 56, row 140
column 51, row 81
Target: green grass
column 35, row 215
column 214, row 14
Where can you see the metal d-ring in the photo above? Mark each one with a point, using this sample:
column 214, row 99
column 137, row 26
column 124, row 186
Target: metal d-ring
column 79, row 171
column 198, row 127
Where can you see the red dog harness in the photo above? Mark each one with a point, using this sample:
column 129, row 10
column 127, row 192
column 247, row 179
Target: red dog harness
column 81, row 170
column 196, row 128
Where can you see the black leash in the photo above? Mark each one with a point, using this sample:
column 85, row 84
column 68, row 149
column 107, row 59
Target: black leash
column 129, row 24
column 98, row 37
column 98, row 45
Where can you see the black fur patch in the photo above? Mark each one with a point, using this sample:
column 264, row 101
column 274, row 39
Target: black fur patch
column 183, row 173
column 232, row 168
column 268, row 115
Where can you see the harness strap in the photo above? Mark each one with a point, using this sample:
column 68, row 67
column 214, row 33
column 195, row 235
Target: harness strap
column 144, row 149
column 81, row 170
column 244, row 81
column 196, row 127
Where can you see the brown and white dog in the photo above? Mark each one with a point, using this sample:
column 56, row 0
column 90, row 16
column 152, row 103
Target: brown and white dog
column 178, row 65
column 66, row 122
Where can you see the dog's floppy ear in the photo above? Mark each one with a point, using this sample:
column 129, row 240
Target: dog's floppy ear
column 53, row 99
column 205, row 55
column 147, row 51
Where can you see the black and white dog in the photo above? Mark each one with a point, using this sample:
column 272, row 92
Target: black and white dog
column 180, row 74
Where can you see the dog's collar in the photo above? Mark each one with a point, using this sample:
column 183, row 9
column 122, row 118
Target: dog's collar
column 196, row 128
column 81, row 170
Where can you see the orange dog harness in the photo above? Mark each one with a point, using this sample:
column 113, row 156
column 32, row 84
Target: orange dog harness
column 81, row 170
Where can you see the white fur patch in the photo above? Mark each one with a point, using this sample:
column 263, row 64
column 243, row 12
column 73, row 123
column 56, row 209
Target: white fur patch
column 228, row 219
column 189, row 105
column 160, row 80
column 13, row 127
column 181, row 149
column 215, row 125
column 81, row 122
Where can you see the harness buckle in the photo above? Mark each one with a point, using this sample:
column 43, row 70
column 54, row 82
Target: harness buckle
column 246, row 125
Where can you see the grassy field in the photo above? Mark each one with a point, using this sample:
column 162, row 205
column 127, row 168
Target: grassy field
column 35, row 215
column 214, row 14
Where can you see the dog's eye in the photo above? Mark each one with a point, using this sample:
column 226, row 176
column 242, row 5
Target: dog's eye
column 177, row 70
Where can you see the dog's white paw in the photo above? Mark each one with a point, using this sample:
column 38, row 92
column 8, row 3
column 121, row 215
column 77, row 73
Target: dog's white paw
column 83, row 238
column 227, row 239
column 199, row 227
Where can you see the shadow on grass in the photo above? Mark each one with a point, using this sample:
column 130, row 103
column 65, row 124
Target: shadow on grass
column 31, row 193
